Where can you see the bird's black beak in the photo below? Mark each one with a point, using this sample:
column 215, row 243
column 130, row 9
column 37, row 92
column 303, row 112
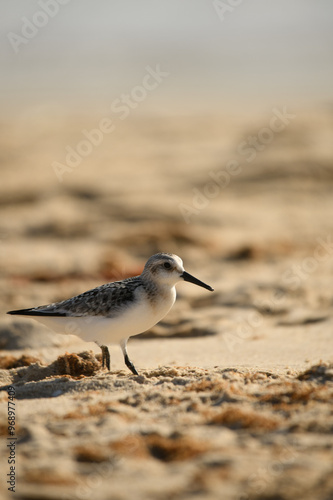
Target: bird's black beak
column 188, row 277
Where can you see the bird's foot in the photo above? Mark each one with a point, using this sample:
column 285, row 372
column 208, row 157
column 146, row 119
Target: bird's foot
column 106, row 361
column 130, row 365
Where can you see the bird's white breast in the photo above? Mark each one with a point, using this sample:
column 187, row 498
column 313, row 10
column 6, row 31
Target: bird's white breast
column 132, row 320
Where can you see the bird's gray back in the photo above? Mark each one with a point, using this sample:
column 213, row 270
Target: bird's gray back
column 105, row 300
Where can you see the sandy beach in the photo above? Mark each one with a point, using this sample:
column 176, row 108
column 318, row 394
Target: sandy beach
column 234, row 394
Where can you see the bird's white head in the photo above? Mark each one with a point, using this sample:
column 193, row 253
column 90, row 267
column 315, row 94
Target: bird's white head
column 168, row 268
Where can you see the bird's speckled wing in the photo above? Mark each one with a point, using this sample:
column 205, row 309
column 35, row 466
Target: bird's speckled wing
column 105, row 300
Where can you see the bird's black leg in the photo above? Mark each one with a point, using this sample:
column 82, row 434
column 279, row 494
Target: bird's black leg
column 130, row 365
column 106, row 357
column 128, row 362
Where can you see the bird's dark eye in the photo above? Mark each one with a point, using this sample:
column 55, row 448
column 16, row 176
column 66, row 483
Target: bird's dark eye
column 167, row 265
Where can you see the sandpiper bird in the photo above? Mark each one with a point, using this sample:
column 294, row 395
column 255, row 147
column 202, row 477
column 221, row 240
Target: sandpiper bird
column 111, row 313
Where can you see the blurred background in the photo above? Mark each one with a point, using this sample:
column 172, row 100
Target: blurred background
column 219, row 58
column 200, row 128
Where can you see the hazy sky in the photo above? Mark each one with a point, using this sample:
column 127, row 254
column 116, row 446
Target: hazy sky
column 86, row 53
